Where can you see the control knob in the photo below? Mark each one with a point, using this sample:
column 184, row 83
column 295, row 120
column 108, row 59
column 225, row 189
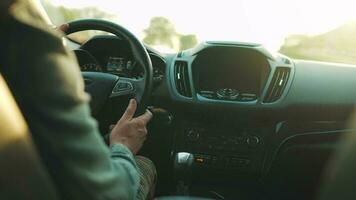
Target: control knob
column 193, row 135
column 227, row 93
column 253, row 141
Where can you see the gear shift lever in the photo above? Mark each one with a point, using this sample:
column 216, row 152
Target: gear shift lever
column 183, row 167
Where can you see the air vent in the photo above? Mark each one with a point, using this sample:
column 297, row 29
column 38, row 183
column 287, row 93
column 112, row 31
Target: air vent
column 181, row 78
column 277, row 85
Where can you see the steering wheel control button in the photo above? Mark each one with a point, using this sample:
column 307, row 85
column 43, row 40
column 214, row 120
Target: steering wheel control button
column 122, row 88
column 227, row 94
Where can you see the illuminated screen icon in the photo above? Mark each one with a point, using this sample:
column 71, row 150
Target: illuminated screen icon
column 115, row 64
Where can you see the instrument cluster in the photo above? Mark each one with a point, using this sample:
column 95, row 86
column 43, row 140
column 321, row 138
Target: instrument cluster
column 123, row 66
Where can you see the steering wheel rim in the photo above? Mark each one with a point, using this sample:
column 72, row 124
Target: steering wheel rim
column 141, row 88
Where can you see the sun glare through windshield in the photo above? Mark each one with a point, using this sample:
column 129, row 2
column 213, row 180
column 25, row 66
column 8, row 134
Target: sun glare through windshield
column 305, row 29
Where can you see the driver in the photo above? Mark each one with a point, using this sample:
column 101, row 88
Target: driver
column 47, row 85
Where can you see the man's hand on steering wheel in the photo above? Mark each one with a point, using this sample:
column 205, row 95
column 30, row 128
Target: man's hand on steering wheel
column 63, row 27
column 130, row 131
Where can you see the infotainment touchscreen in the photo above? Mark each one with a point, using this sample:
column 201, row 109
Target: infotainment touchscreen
column 240, row 75
column 229, row 72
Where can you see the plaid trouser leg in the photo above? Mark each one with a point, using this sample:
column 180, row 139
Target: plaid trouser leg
column 148, row 178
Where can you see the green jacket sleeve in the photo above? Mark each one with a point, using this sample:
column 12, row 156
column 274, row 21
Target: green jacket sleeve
column 46, row 82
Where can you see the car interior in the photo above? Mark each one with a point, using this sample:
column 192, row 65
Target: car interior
column 232, row 120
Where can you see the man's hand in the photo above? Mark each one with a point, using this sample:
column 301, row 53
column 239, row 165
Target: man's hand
column 63, row 28
column 130, row 131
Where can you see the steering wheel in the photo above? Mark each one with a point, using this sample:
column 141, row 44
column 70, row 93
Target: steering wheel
column 102, row 86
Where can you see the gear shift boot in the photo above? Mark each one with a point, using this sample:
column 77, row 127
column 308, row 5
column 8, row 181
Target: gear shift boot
column 183, row 168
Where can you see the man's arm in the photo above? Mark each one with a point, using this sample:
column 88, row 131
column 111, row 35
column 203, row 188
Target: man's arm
column 48, row 87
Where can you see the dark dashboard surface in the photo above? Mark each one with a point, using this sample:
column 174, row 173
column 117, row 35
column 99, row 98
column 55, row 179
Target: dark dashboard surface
column 203, row 75
column 239, row 79
column 289, row 88
column 234, row 103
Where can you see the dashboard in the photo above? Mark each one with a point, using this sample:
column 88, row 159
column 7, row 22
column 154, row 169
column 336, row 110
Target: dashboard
column 233, row 102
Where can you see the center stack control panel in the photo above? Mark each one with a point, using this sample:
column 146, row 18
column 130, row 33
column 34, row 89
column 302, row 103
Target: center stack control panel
column 223, row 148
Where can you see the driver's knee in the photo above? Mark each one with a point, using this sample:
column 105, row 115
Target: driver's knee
column 148, row 178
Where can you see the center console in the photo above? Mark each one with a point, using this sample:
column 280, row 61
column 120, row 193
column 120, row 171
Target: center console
column 223, row 149
column 219, row 89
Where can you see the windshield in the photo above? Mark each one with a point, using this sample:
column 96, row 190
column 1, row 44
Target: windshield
column 304, row 29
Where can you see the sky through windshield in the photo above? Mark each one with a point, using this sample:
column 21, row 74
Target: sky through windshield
column 266, row 22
